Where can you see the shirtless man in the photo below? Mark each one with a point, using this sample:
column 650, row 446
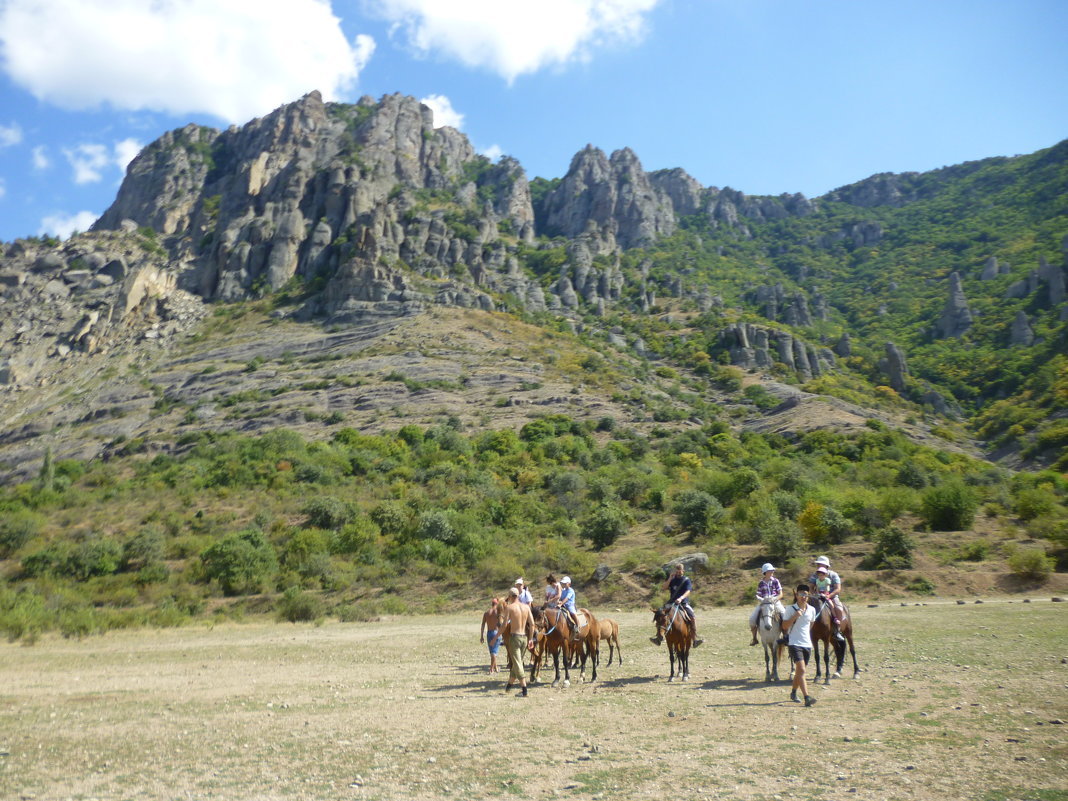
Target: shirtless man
column 517, row 630
column 488, row 634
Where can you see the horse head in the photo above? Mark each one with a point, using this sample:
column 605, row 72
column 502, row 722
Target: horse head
column 768, row 614
column 660, row 619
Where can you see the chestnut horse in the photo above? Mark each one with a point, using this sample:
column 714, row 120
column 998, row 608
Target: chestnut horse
column 588, row 644
column 823, row 631
column 609, row 631
column 672, row 626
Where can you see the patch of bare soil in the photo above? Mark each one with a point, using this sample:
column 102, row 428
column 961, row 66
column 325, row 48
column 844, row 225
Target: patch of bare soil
column 960, row 702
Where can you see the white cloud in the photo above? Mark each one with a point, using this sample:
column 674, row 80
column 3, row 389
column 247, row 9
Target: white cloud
column 444, row 113
column 233, row 58
column 10, row 134
column 493, row 152
column 125, row 152
column 88, row 162
column 518, row 37
column 40, row 158
column 63, row 225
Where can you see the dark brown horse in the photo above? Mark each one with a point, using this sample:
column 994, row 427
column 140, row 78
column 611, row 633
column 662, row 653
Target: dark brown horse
column 555, row 638
column 673, row 627
column 823, row 631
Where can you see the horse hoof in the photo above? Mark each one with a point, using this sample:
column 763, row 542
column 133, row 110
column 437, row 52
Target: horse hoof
column 837, row 675
column 671, row 679
column 567, row 683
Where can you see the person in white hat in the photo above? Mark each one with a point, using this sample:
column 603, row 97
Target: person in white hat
column 567, row 601
column 769, row 591
column 826, row 585
column 524, row 594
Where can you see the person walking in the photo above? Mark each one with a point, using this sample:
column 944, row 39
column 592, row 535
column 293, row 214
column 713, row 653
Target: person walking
column 524, row 593
column 518, row 629
column 488, row 633
column 797, row 622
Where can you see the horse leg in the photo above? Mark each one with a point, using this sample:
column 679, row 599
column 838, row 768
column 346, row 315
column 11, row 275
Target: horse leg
column 595, row 657
column 767, row 664
column 827, row 661
column 619, row 648
column 839, row 657
column 567, row 663
column 684, row 663
column 853, row 654
column 671, row 657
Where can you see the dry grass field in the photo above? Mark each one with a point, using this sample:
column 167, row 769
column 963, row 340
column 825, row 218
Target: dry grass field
column 955, row 702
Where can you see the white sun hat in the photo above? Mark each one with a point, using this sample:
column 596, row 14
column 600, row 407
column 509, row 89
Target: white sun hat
column 565, row 580
column 823, row 560
column 767, row 566
column 519, row 581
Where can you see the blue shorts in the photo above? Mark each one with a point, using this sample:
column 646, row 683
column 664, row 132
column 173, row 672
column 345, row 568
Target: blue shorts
column 493, row 641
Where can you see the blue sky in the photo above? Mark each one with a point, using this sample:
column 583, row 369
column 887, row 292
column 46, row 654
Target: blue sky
column 765, row 96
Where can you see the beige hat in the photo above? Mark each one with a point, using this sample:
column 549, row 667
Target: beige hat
column 513, row 592
column 519, row 581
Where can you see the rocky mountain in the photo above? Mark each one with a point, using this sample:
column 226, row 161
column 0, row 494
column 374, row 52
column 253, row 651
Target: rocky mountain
column 349, row 219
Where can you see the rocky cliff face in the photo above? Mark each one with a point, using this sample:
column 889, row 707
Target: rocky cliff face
column 328, row 190
column 385, row 214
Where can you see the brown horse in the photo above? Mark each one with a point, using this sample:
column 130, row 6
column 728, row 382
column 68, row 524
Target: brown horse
column 588, row 645
column 823, row 631
column 555, row 637
column 672, row 626
column 609, row 631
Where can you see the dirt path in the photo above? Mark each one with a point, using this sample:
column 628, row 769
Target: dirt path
column 956, row 702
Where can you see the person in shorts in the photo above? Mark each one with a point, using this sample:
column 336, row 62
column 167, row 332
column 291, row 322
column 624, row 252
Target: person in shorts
column 488, row 633
column 797, row 623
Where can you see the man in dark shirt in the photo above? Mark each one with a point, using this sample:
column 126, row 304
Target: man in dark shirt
column 680, row 586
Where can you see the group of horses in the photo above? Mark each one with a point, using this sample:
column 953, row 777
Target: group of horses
column 769, row 630
column 572, row 646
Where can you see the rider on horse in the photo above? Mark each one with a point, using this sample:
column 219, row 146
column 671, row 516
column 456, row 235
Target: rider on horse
column 567, row 603
column 827, row 585
column 769, row 591
column 680, row 587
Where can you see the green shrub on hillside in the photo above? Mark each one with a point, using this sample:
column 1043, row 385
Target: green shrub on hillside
column 698, row 512
column 242, row 563
column 1031, row 564
column 17, row 527
column 893, row 551
column 605, row 525
column 949, row 507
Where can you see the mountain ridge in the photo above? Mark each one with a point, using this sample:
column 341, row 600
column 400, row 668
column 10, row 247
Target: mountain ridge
column 366, row 212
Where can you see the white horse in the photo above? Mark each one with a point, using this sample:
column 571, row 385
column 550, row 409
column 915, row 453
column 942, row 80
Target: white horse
column 769, row 629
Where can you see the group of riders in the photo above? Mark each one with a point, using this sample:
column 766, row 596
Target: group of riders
column 824, row 587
